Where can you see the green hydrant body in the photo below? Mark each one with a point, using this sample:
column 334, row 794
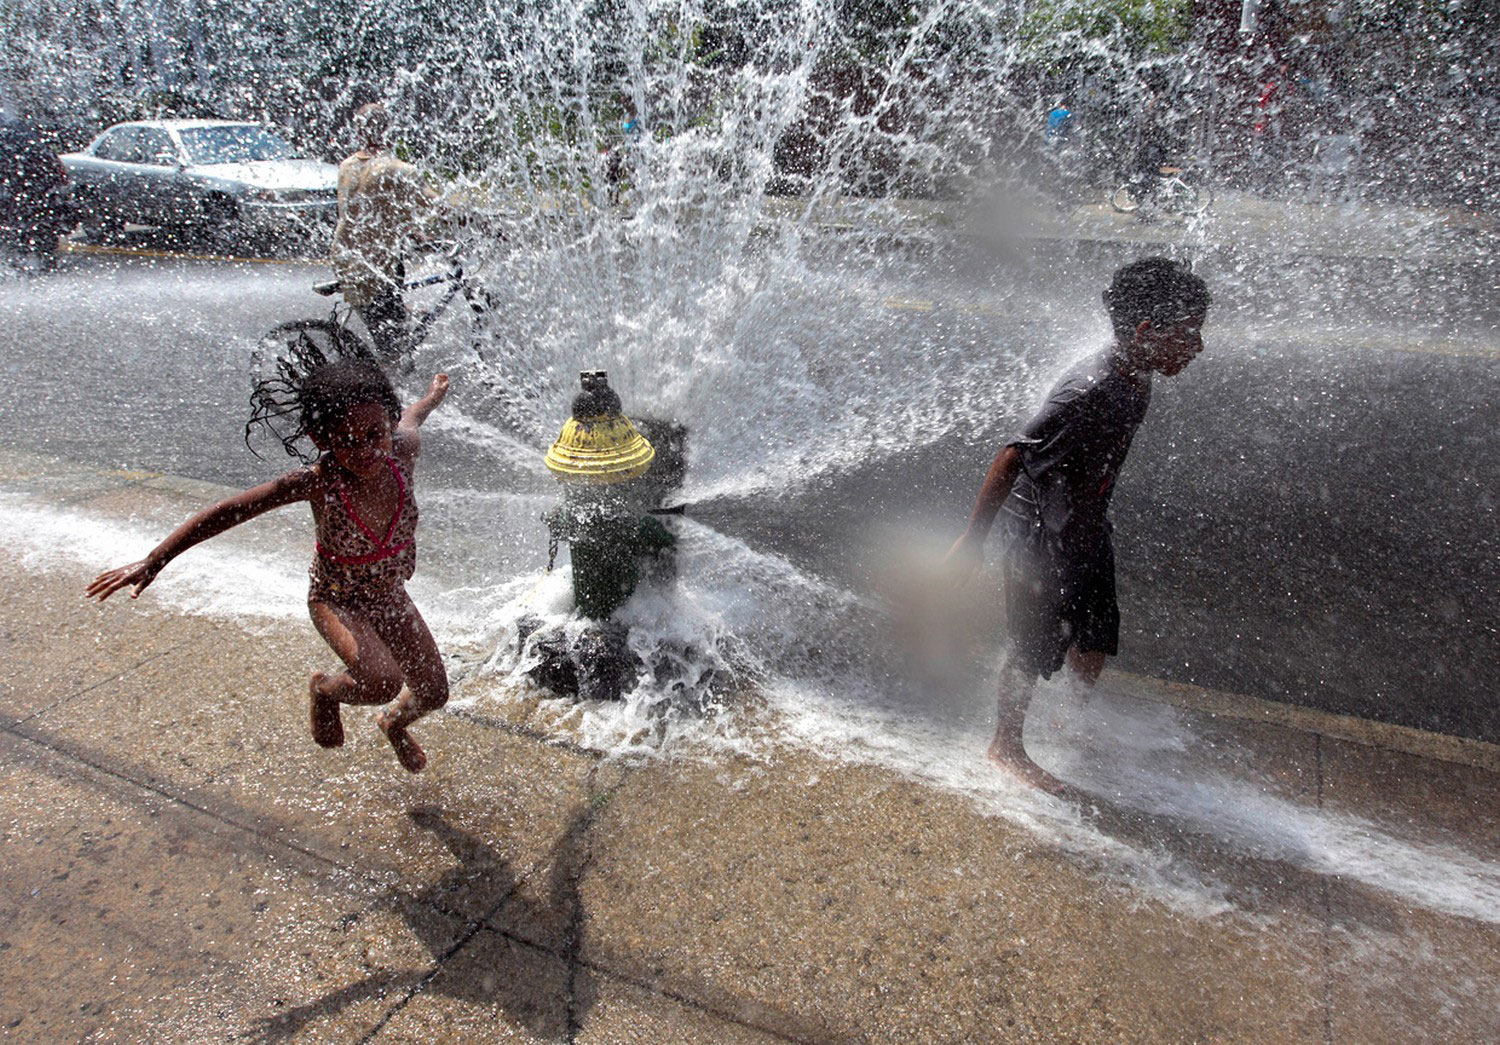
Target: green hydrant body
column 608, row 550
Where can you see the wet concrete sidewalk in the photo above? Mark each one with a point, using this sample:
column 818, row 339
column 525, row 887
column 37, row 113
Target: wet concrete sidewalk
column 182, row 863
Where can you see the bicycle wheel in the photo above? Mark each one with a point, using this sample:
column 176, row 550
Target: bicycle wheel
column 1126, row 199
column 1202, row 197
column 1176, row 196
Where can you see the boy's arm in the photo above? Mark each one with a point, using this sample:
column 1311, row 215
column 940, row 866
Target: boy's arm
column 210, row 522
column 969, row 548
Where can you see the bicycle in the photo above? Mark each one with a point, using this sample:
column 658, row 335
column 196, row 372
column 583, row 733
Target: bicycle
column 1171, row 190
column 333, row 338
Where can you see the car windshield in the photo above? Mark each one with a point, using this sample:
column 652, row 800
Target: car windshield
column 241, row 144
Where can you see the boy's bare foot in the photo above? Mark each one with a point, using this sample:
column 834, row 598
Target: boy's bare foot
column 408, row 752
column 327, row 724
column 1012, row 760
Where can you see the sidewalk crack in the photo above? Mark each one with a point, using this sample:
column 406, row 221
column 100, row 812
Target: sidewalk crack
column 107, row 680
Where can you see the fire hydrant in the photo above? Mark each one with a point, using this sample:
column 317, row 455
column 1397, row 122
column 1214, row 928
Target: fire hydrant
column 601, row 459
column 604, row 514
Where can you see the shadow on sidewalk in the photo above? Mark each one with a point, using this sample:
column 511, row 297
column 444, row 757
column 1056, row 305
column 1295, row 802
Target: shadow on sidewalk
column 547, row 991
column 522, row 981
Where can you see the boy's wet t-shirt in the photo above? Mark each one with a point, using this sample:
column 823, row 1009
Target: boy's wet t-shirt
column 1072, row 451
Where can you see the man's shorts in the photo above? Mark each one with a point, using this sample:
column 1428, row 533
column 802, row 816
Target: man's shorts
column 387, row 321
column 1053, row 601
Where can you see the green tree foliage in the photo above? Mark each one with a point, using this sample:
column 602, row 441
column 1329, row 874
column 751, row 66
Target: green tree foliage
column 1053, row 29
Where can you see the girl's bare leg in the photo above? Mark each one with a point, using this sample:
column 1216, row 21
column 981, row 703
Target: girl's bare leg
column 372, row 675
column 416, row 654
column 327, row 724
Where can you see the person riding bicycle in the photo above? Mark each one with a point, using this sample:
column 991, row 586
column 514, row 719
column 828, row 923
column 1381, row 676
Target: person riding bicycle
column 383, row 203
column 1153, row 139
column 1155, row 179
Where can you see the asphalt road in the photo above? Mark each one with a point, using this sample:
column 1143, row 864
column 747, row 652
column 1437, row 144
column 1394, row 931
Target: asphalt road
column 1308, row 514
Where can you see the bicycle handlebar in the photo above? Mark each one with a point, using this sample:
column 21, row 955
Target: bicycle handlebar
column 456, row 272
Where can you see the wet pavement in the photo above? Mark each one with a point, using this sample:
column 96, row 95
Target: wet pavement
column 1254, row 558
column 182, row 863
column 1234, row 220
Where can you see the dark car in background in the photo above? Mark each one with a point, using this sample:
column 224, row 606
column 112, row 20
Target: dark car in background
column 35, row 209
column 211, row 179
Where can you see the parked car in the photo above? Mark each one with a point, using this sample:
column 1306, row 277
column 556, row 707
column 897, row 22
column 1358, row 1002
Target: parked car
column 34, row 201
column 213, row 178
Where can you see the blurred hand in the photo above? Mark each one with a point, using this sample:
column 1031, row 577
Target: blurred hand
column 438, row 389
column 963, row 560
column 110, row 581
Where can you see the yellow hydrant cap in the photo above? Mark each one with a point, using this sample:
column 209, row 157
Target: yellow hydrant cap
column 602, row 449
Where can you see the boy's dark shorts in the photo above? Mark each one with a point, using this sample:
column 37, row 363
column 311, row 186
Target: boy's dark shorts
column 1053, row 602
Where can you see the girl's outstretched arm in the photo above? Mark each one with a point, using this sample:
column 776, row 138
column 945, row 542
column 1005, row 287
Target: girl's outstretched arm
column 210, row 522
column 413, row 416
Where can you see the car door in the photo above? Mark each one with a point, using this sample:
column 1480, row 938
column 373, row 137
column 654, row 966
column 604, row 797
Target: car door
column 162, row 184
column 112, row 179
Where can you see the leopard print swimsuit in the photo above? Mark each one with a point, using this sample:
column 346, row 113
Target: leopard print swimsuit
column 354, row 566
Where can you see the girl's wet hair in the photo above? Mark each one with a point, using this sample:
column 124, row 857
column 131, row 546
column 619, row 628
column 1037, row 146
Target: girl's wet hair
column 1159, row 289
column 311, row 393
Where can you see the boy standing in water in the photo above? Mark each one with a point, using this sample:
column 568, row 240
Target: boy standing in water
column 1054, row 480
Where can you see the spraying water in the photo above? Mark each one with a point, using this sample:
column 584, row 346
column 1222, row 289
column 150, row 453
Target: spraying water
column 793, row 228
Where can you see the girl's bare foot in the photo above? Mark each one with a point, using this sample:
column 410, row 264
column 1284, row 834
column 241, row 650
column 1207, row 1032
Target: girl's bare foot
column 408, row 752
column 327, row 724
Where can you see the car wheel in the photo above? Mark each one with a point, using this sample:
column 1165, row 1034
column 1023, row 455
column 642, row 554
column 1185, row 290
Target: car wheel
column 180, row 235
column 99, row 226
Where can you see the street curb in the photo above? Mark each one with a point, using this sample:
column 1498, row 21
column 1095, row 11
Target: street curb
column 1385, row 736
column 70, row 247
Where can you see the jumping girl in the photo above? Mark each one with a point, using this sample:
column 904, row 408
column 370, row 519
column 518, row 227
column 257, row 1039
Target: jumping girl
column 360, row 489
